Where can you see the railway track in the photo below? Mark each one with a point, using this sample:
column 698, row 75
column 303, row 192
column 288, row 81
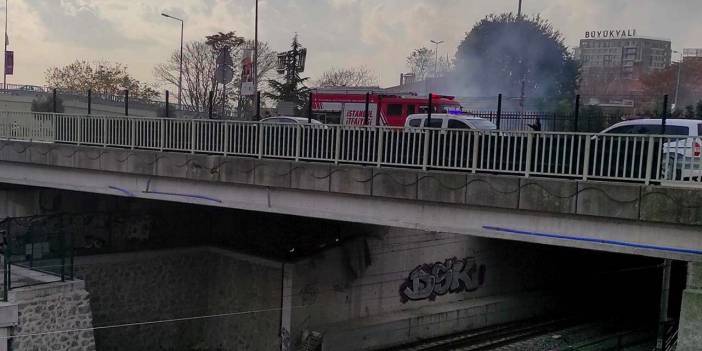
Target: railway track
column 489, row 338
column 534, row 335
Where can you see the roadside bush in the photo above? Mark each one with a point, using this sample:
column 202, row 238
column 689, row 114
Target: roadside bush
column 46, row 104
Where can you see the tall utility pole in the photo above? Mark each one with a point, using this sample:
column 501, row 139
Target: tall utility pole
column 180, row 75
column 255, row 55
column 180, row 78
column 519, row 12
column 436, row 61
column 522, row 94
column 677, row 85
column 4, row 69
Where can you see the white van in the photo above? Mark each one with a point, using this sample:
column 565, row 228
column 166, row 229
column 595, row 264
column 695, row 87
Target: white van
column 681, row 148
column 449, row 121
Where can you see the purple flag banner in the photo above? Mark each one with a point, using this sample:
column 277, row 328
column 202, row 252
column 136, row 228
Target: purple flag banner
column 9, row 62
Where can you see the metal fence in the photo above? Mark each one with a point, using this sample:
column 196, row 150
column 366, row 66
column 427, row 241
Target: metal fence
column 554, row 122
column 155, row 105
column 638, row 158
column 35, row 250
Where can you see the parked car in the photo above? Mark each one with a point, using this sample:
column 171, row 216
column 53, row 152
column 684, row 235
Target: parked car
column 283, row 136
column 32, row 88
column 674, row 127
column 449, row 121
column 680, row 146
column 290, row 120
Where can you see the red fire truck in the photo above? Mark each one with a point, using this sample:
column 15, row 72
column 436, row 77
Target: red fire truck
column 348, row 106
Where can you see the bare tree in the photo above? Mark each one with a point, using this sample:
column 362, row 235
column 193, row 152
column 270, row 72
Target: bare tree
column 199, row 65
column 347, row 77
column 445, row 65
column 198, row 75
column 421, row 62
column 267, row 61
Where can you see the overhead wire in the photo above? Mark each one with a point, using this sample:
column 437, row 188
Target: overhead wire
column 240, row 313
column 303, row 293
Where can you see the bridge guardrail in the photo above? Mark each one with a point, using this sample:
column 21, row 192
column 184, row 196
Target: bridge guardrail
column 638, row 158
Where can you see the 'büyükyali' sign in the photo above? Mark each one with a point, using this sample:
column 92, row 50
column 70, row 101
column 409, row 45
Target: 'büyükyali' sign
column 610, row 34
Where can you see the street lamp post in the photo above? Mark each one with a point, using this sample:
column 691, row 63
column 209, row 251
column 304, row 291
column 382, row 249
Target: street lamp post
column 4, row 69
column 180, row 78
column 519, row 12
column 677, row 85
column 255, row 55
column 436, row 61
column 522, row 95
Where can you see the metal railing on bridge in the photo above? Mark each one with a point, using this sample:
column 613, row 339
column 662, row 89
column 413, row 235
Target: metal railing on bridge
column 637, row 158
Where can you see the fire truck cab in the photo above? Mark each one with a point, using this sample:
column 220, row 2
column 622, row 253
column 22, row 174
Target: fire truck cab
column 363, row 106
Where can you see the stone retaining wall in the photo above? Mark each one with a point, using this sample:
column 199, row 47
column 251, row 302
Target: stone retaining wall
column 173, row 284
column 51, row 308
column 691, row 313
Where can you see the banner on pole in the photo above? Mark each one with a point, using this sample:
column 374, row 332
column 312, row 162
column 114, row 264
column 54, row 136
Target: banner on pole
column 247, row 79
column 9, row 62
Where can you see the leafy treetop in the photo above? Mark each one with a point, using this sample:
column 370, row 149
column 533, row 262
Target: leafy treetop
column 503, row 50
column 103, row 78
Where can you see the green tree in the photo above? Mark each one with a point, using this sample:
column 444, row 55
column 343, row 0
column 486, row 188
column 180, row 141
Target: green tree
column 103, row 78
column 292, row 89
column 592, row 119
column 677, row 113
column 502, row 51
column 689, row 111
column 222, row 40
column 46, row 104
column 698, row 110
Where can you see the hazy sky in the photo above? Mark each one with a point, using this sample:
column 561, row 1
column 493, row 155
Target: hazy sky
column 375, row 33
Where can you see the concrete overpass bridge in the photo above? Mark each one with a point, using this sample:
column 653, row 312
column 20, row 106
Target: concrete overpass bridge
column 608, row 193
column 624, row 194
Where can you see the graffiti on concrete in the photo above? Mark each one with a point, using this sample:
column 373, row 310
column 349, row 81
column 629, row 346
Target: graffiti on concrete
column 453, row 276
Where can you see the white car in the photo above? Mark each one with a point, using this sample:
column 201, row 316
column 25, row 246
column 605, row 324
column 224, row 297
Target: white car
column 290, row 120
column 449, row 121
column 681, row 144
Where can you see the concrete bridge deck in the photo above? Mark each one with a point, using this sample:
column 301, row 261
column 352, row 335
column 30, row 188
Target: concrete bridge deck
column 652, row 220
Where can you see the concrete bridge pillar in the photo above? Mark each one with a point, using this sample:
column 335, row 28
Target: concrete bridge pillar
column 691, row 314
column 18, row 202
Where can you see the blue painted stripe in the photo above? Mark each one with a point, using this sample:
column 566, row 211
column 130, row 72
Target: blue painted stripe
column 598, row 241
column 121, row 190
column 193, row 196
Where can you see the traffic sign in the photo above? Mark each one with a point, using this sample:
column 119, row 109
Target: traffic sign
column 247, row 89
column 224, row 74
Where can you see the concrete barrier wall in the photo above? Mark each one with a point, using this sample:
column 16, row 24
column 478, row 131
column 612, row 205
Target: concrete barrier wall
column 23, row 102
column 660, row 204
column 595, row 215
